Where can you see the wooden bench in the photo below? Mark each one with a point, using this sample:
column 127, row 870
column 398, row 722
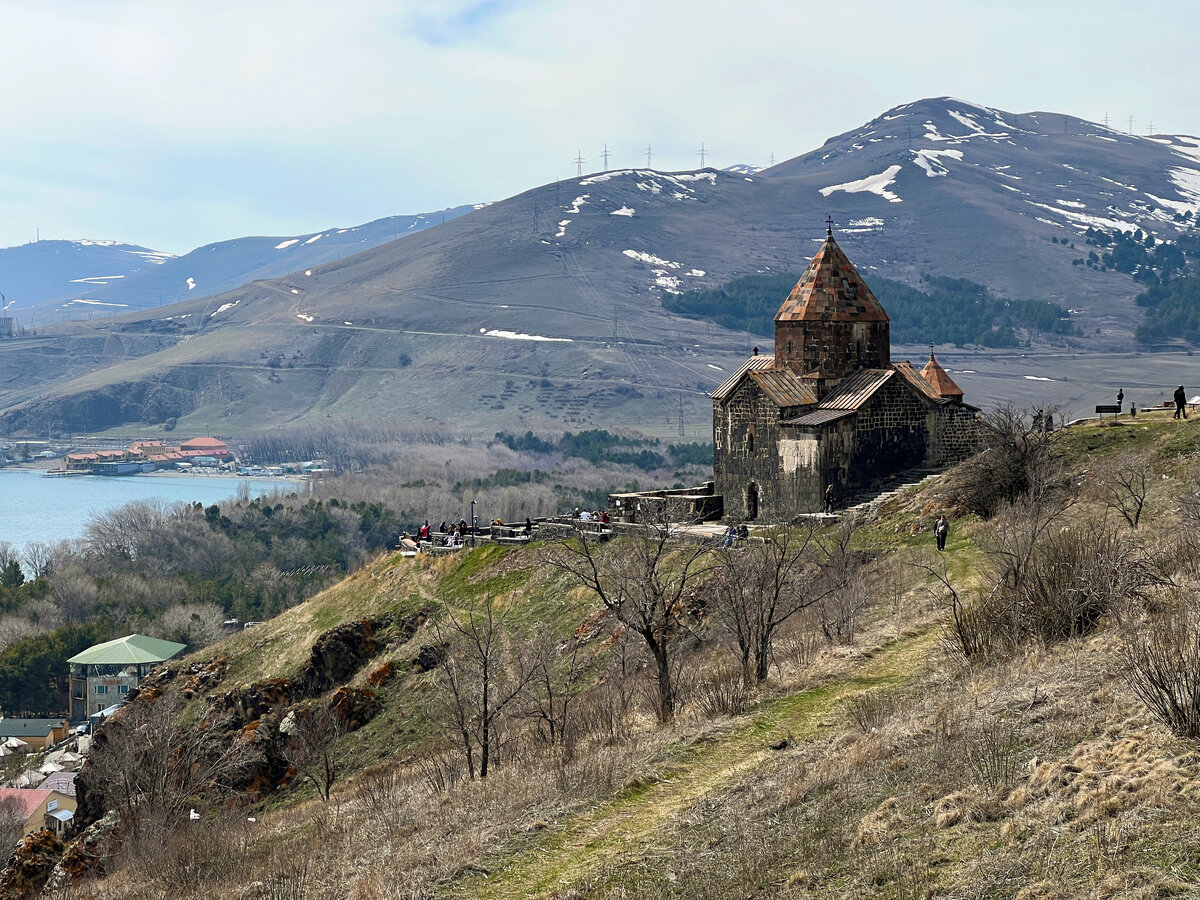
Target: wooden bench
column 1103, row 408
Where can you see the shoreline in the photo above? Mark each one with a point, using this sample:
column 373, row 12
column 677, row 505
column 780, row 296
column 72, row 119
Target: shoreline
column 47, row 467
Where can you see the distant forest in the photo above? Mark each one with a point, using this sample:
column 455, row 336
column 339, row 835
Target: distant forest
column 943, row 310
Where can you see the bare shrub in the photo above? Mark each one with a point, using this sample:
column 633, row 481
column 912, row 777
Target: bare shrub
column 870, row 709
column 992, row 749
column 722, row 690
column 152, row 766
column 1020, row 461
column 797, row 643
column 1121, row 484
column 1162, row 666
column 849, row 586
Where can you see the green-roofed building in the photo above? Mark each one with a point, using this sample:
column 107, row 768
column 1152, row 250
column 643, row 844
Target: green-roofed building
column 103, row 674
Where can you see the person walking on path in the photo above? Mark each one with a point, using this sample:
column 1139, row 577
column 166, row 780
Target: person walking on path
column 1180, row 402
column 829, row 499
column 940, row 529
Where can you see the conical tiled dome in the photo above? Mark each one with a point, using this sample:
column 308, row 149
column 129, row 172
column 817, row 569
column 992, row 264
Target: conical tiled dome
column 831, row 290
column 939, row 380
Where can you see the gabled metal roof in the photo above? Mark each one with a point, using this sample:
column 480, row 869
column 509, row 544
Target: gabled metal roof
column 910, row 373
column 856, row 389
column 819, row 417
column 754, row 363
column 784, row 388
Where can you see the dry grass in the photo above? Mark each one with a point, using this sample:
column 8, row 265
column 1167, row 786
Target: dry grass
column 880, row 768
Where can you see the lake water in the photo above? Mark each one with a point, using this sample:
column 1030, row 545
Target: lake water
column 34, row 507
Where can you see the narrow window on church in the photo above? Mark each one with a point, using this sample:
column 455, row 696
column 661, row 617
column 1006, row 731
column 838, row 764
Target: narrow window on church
column 789, row 348
column 750, row 438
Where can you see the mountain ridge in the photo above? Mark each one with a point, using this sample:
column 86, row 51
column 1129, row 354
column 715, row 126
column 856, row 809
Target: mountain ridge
column 555, row 293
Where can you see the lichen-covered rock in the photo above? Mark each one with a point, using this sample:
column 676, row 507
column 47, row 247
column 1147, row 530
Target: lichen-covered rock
column 88, row 853
column 355, row 706
column 336, row 655
column 30, row 865
column 253, row 701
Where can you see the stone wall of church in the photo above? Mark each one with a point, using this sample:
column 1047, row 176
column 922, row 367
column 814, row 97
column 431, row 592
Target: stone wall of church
column 833, row 348
column 955, row 435
column 892, row 432
column 746, row 465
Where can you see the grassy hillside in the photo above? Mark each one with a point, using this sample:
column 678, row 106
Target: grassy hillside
column 886, row 763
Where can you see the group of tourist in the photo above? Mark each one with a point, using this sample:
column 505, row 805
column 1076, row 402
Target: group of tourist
column 735, row 533
column 599, row 515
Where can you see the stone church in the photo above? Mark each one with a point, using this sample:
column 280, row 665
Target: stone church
column 830, row 407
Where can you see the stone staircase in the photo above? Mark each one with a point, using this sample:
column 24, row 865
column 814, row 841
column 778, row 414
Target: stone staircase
column 868, row 502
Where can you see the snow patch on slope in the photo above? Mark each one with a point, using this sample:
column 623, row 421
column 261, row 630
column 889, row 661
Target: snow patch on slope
column 928, row 160
column 874, row 184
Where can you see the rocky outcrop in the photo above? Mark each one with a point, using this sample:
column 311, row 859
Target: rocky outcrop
column 337, row 654
column 30, row 866
column 87, row 854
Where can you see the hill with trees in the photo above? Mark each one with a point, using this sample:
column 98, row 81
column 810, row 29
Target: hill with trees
column 826, row 711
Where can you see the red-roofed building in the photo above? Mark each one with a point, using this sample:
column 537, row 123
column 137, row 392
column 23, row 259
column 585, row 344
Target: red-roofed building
column 36, row 809
column 830, row 409
column 204, row 446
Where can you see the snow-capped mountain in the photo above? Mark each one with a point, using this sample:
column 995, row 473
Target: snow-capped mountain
column 557, row 293
column 50, row 281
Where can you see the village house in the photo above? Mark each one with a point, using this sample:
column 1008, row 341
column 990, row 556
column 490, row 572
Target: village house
column 38, row 734
column 103, row 674
column 36, row 808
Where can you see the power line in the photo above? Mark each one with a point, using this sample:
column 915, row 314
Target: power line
column 700, row 153
column 649, row 153
column 605, row 155
column 579, row 161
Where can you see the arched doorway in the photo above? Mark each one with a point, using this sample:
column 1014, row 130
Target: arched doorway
column 752, row 501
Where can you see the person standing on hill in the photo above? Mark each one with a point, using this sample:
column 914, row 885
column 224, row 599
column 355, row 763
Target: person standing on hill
column 941, row 528
column 1180, row 402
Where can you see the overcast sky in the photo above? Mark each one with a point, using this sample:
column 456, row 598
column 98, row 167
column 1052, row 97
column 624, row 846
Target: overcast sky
column 173, row 124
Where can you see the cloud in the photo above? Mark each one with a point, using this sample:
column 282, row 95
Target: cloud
column 223, row 118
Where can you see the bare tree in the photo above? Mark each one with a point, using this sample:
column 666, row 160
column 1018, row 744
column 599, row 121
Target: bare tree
column 38, row 556
column 1121, row 485
column 8, row 554
column 557, row 680
column 12, row 824
column 762, row 585
column 151, row 764
column 643, row 578
column 194, row 624
column 485, row 673
column 313, row 745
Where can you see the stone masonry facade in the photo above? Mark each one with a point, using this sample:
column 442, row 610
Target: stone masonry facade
column 829, row 408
